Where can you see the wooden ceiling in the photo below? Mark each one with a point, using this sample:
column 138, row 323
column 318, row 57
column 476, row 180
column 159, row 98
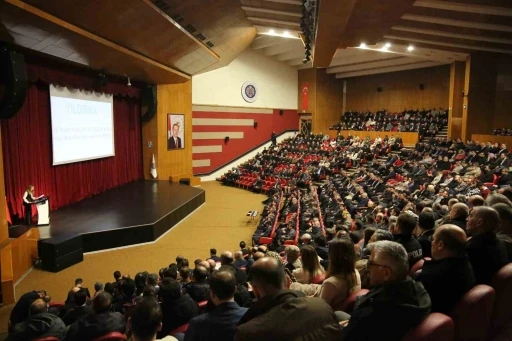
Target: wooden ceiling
column 178, row 38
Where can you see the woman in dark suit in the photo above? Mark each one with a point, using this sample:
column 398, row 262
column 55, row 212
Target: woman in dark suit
column 28, row 199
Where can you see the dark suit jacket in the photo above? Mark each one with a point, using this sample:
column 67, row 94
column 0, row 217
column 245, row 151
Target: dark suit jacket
column 20, row 311
column 425, row 241
column 488, row 255
column 176, row 313
column 218, row 324
column 95, row 325
column 75, row 314
column 172, row 145
column 446, row 281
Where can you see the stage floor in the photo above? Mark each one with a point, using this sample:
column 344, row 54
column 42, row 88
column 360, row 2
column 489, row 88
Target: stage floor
column 135, row 213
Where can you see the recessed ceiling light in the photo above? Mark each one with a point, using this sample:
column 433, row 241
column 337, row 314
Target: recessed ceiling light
column 363, row 45
column 271, row 32
column 410, row 48
column 286, row 34
column 388, row 45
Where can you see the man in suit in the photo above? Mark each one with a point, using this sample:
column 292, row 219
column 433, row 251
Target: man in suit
column 220, row 323
column 81, row 309
column 174, row 142
column 146, row 321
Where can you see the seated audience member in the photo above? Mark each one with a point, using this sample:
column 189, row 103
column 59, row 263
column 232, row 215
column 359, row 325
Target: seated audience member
column 79, row 284
column 426, row 223
column 213, row 255
column 321, row 247
column 127, row 290
column 80, row 310
column 402, row 234
column 239, row 262
column 146, row 321
column 341, row 278
column 449, row 275
column 280, row 314
column 311, row 270
column 40, row 323
column 102, row 321
column 486, row 252
column 458, row 215
column 226, row 258
column 292, row 257
column 504, row 232
column 98, row 286
column 198, row 288
column 475, row 200
column 219, row 323
column 178, row 308
column 394, row 297
column 184, row 275
column 20, row 311
column 496, row 199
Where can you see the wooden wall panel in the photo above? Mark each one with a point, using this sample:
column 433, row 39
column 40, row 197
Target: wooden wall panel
column 329, row 101
column 400, row 90
column 503, row 110
column 456, row 101
column 174, row 99
column 409, row 139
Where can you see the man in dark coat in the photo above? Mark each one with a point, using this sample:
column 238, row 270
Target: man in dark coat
column 486, row 252
column 281, row 314
column 39, row 324
column 21, row 310
column 178, row 308
column 80, row 310
column 394, row 297
column 449, row 275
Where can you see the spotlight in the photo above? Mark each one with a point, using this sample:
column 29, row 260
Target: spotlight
column 271, row 32
column 129, row 83
column 362, row 46
column 410, row 48
column 388, row 45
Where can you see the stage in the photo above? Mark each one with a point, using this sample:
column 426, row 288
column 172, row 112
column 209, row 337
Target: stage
column 135, row 213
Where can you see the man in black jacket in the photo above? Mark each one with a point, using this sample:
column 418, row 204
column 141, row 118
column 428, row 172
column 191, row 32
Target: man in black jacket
column 80, row 310
column 39, row 324
column 426, row 222
column 486, row 252
column 21, row 310
column 405, row 225
column 449, row 275
column 178, row 308
column 101, row 322
column 394, row 297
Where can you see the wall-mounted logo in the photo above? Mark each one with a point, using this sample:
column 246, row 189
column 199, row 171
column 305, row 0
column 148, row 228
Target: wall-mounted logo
column 249, row 92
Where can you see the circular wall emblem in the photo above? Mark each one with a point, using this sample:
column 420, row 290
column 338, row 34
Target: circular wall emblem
column 249, row 92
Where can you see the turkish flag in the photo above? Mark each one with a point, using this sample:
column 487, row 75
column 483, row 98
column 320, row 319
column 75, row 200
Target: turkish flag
column 305, row 101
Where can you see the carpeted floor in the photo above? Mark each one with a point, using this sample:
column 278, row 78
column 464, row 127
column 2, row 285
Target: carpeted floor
column 220, row 223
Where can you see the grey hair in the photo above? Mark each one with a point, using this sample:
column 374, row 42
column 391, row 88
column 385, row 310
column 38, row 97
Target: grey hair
column 497, row 199
column 98, row 286
column 396, row 255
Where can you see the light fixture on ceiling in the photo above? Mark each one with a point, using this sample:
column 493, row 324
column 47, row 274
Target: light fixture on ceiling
column 387, row 45
column 129, row 83
column 272, row 32
column 362, row 46
column 410, row 48
column 286, row 34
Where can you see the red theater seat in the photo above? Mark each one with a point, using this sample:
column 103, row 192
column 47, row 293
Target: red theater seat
column 435, row 327
column 502, row 312
column 181, row 329
column 348, row 303
column 472, row 314
column 114, row 336
column 417, row 266
column 48, row 338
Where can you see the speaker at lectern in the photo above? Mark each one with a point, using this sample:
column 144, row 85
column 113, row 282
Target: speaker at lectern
column 43, row 210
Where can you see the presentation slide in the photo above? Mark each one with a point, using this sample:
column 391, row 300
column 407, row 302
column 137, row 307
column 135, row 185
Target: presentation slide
column 82, row 125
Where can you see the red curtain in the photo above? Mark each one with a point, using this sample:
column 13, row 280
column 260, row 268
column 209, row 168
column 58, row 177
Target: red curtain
column 27, row 154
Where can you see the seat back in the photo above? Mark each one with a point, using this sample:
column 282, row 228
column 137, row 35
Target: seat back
column 472, row 314
column 114, row 336
column 181, row 329
column 435, row 327
column 47, row 338
column 348, row 303
column 502, row 311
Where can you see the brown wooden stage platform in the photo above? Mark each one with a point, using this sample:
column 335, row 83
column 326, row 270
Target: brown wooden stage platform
column 135, row 213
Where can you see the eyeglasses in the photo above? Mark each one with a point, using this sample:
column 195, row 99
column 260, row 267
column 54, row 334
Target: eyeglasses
column 370, row 263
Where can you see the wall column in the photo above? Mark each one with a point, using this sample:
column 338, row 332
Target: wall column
column 480, row 91
column 456, row 101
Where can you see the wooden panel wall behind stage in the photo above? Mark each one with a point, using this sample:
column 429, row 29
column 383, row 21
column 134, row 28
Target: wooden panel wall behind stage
column 329, row 101
column 409, row 139
column 494, row 139
column 400, row 90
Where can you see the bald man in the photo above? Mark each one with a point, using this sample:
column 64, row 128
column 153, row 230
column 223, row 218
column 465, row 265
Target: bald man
column 486, row 252
column 449, row 275
column 39, row 324
column 475, row 200
column 226, row 258
column 458, row 215
column 305, row 318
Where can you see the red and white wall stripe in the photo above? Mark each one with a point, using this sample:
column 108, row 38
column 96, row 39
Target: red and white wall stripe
column 211, row 124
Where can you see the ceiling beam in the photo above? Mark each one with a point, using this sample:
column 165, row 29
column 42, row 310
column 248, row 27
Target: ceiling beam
column 466, row 8
column 362, row 58
column 271, row 11
column 263, row 41
column 450, row 44
column 453, row 35
column 289, row 2
column 274, row 21
column 290, row 45
column 457, row 52
column 454, row 29
column 396, row 61
column 412, row 66
column 458, row 23
column 293, row 54
column 333, row 18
